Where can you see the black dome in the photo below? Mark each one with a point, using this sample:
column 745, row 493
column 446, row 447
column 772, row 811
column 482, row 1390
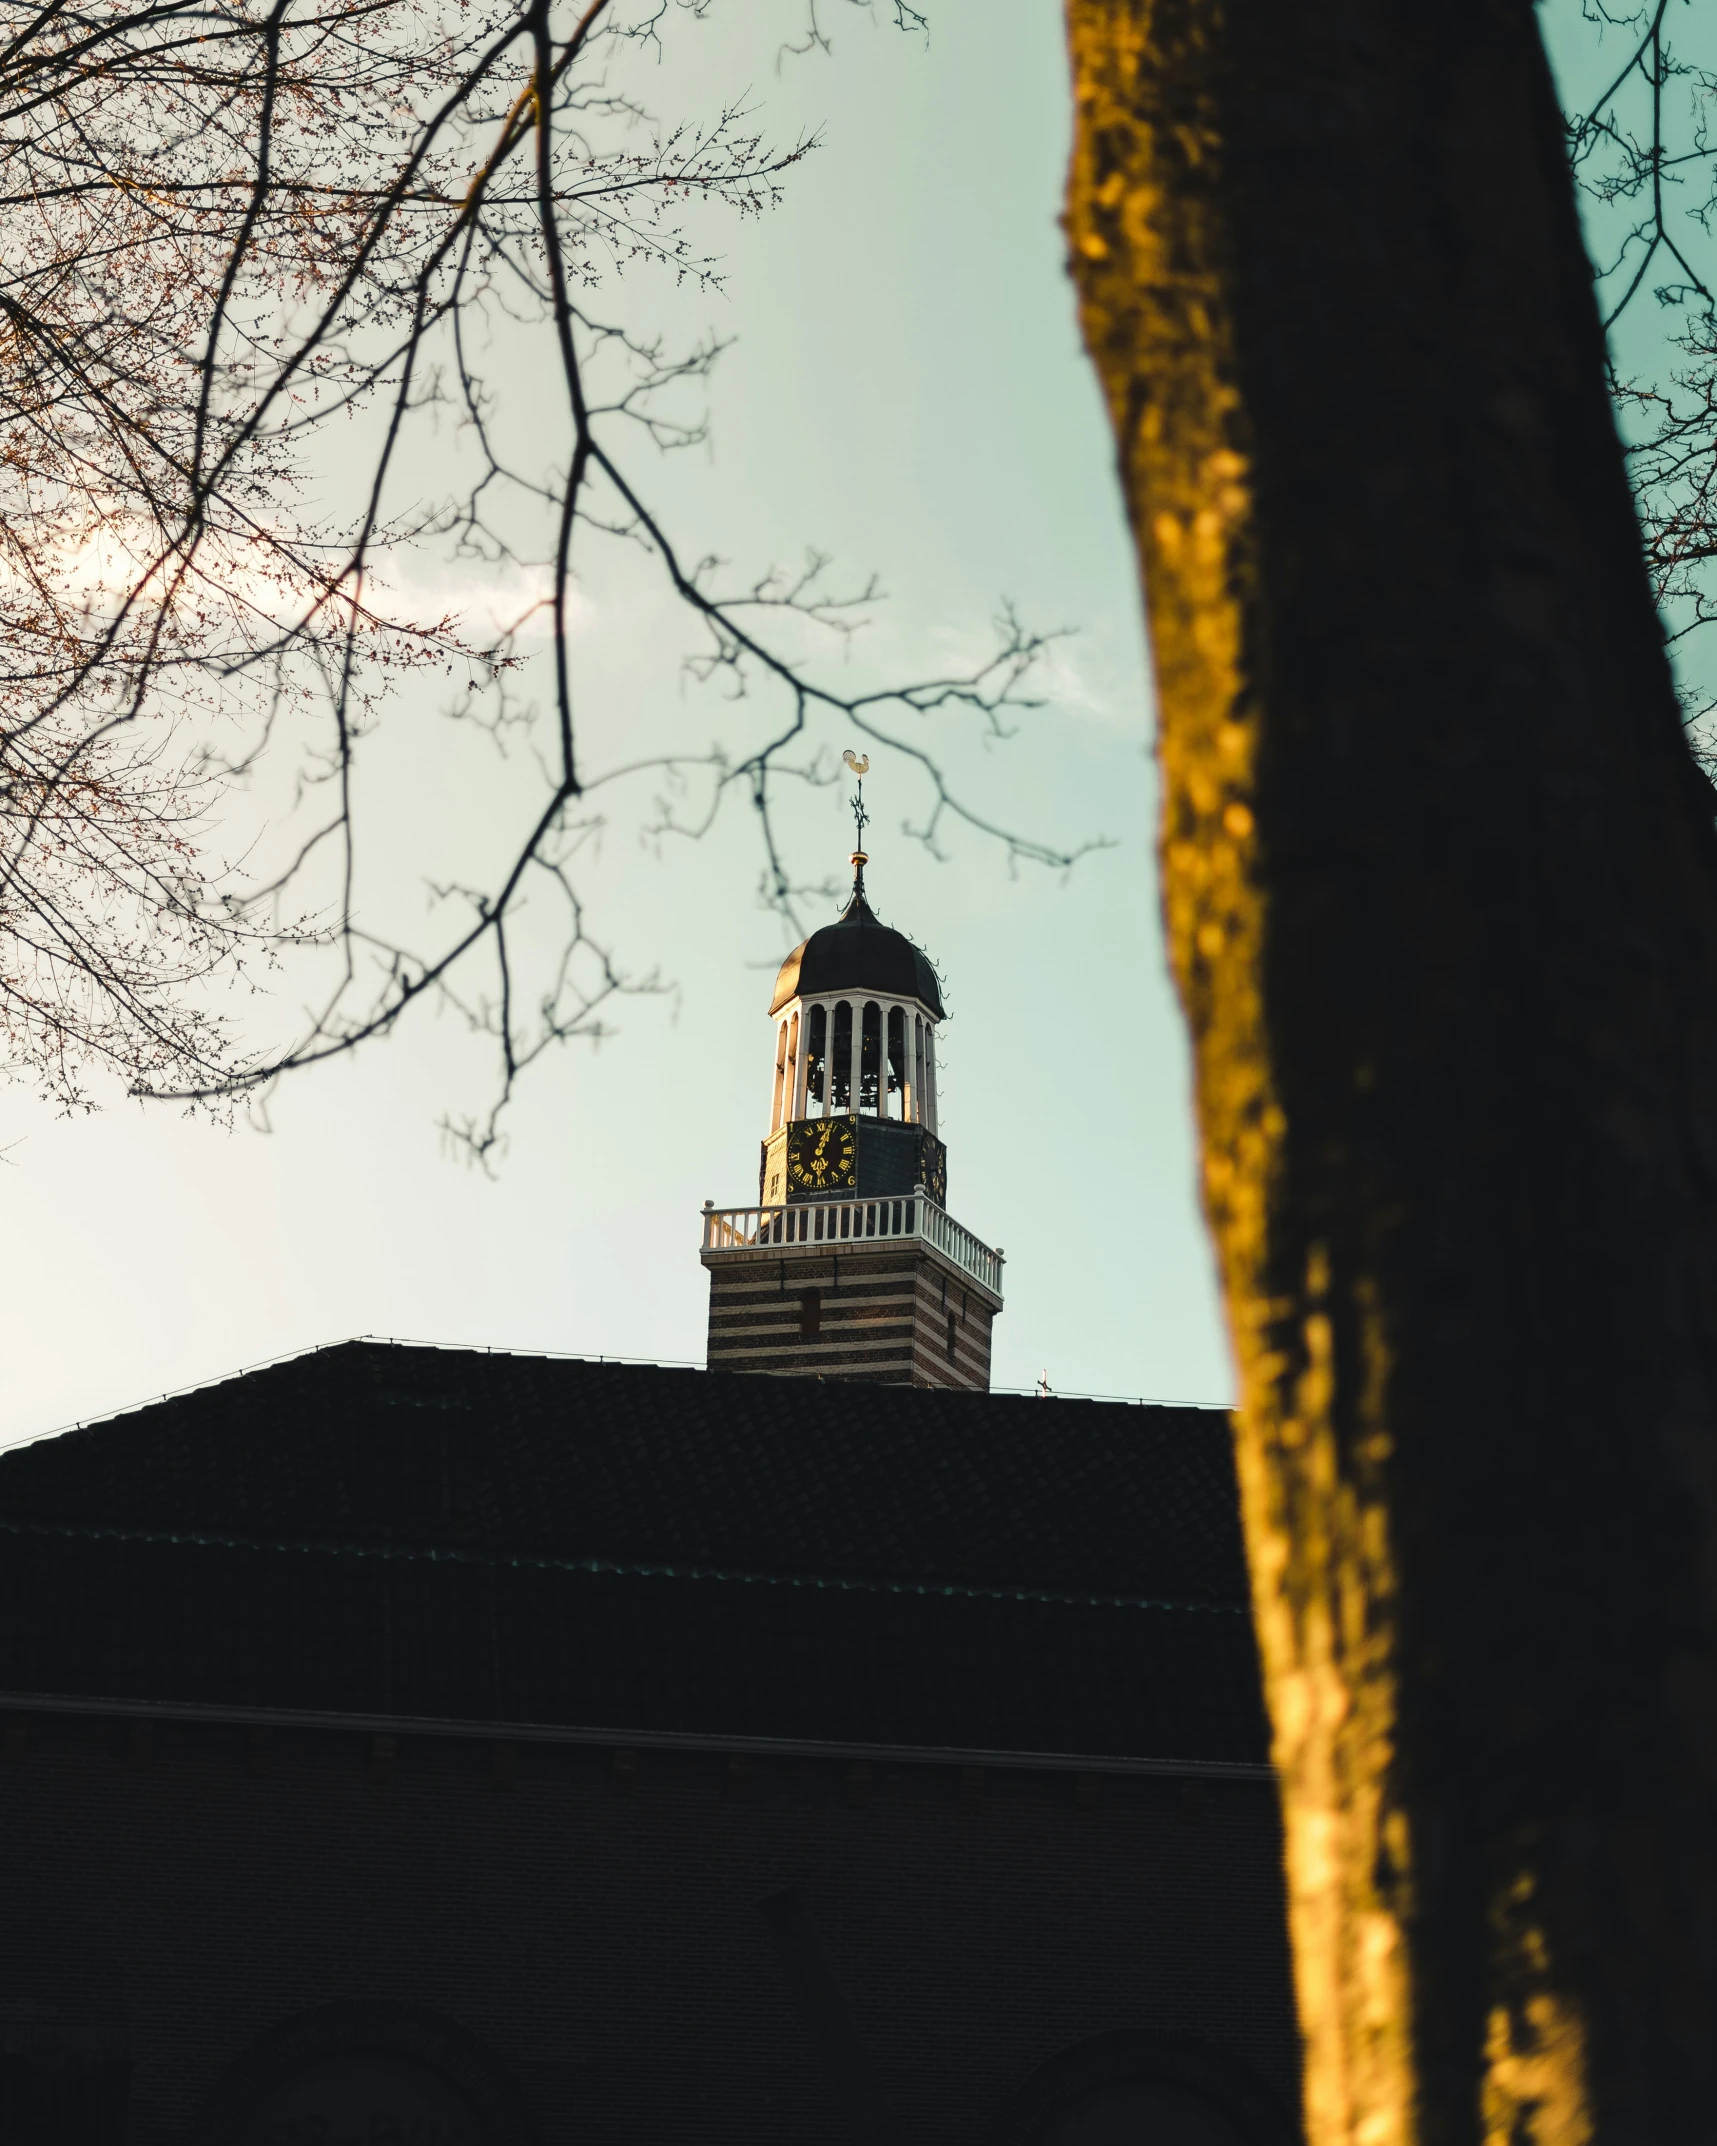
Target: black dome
column 858, row 953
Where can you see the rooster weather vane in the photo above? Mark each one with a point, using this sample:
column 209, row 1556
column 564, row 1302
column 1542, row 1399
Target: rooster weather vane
column 860, row 765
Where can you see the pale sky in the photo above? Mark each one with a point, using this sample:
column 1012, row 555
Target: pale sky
column 906, row 391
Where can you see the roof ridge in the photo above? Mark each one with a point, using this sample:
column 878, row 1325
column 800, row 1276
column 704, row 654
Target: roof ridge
column 347, row 1341
column 521, row 1355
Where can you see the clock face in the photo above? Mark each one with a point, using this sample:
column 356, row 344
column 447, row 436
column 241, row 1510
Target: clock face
column 822, row 1156
column 934, row 1164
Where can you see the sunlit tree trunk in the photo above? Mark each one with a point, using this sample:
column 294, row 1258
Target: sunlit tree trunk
column 1441, row 891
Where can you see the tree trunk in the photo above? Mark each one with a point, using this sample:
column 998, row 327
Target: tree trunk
column 1441, row 892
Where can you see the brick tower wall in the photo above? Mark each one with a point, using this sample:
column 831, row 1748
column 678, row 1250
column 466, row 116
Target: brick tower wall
column 900, row 1315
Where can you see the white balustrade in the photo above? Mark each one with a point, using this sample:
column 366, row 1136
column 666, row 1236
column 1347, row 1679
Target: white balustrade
column 837, row 1222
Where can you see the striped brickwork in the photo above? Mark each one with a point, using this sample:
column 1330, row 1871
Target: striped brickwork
column 900, row 1315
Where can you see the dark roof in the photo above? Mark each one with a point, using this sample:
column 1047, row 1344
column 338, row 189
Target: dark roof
column 383, row 1529
column 858, row 952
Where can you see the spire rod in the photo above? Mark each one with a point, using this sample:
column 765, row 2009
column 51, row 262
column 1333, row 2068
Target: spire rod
column 860, row 766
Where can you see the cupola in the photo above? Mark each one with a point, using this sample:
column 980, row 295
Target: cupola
column 855, row 1009
column 858, row 952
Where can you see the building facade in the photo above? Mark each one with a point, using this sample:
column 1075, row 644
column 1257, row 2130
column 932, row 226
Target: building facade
column 418, row 1747
column 403, row 1747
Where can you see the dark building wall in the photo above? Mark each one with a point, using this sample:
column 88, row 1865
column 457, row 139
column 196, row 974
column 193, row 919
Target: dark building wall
column 884, row 1316
column 192, row 1886
column 497, row 1641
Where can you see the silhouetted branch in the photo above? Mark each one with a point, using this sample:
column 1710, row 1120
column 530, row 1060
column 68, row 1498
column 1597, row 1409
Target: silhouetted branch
column 272, row 271
column 1643, row 152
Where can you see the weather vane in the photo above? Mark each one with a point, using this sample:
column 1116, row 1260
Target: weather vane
column 860, row 766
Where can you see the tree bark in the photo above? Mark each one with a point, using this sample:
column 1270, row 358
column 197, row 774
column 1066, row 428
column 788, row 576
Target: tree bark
column 1440, row 885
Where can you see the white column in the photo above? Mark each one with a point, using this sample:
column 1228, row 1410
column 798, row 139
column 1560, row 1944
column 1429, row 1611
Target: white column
column 858, row 1054
column 796, row 1064
column 828, row 1103
column 780, row 1074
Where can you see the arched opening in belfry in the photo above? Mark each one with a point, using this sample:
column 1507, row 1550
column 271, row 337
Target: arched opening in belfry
column 841, row 1082
column 897, row 1095
column 783, row 1102
column 791, row 1106
column 870, row 1059
column 923, row 1111
column 817, row 1058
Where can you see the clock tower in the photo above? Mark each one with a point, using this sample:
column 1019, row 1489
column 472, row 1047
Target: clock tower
column 849, row 1265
